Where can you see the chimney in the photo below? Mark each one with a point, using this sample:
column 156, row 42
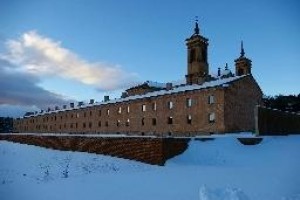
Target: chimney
column 92, row 101
column 80, row 103
column 169, row 86
column 106, row 98
column 49, row 109
column 226, row 66
column 64, row 106
column 124, row 95
column 219, row 71
column 72, row 105
column 56, row 108
column 41, row 111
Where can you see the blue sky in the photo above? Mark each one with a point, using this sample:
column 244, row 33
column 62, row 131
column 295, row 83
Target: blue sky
column 57, row 51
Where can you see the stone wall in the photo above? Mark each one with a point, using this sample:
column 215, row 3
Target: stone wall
column 239, row 104
column 130, row 118
column 145, row 149
column 276, row 122
column 219, row 109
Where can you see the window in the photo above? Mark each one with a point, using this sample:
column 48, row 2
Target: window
column 170, row 104
column 127, row 122
column 120, row 110
column 128, row 109
column 170, row 120
column 90, row 125
column 99, row 113
column 212, row 117
column 99, row 124
column 143, row 121
column 91, row 113
column 106, row 123
column 143, row 107
column 72, row 115
column 107, row 112
column 84, row 114
column 71, row 126
column 77, row 115
column 84, row 125
column 154, row 121
column 154, row 106
column 211, row 99
column 189, row 119
column 118, row 122
column 188, row 102
column 76, row 125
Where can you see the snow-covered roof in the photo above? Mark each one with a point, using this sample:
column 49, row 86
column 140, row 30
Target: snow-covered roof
column 150, row 84
column 216, row 83
column 225, row 72
column 156, row 84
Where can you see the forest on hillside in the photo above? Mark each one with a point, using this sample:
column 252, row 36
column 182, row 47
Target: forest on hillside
column 289, row 103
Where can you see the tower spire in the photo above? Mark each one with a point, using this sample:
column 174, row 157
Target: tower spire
column 197, row 30
column 242, row 64
column 197, row 64
column 242, row 49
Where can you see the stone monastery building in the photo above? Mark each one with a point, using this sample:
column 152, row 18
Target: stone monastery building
column 205, row 104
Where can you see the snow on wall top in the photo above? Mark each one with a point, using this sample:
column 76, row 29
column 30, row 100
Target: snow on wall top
column 219, row 82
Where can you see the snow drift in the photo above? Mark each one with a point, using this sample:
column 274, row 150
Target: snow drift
column 208, row 170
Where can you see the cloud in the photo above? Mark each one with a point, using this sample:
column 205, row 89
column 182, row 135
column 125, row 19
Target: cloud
column 41, row 56
column 32, row 57
column 21, row 89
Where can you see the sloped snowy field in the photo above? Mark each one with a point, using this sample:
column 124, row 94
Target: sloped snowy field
column 219, row 169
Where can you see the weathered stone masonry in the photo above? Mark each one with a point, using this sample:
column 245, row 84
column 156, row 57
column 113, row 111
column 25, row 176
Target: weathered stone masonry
column 189, row 113
column 149, row 150
column 204, row 104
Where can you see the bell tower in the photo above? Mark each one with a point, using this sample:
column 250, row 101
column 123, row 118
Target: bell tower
column 242, row 64
column 197, row 65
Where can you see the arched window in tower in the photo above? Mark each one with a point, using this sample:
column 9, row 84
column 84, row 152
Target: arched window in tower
column 192, row 55
column 204, row 55
column 240, row 71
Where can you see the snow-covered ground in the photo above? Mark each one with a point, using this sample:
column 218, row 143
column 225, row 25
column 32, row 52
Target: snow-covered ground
column 219, row 169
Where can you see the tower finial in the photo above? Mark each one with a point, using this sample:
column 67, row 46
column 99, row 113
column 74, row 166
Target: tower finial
column 226, row 66
column 196, row 26
column 242, row 49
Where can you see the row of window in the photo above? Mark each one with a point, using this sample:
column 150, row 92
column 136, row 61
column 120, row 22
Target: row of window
column 170, row 120
column 170, row 104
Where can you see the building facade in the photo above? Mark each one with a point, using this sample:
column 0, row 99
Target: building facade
column 204, row 104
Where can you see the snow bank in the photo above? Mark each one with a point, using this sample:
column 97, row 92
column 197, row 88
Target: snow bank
column 37, row 164
column 209, row 170
column 221, row 194
column 228, row 151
